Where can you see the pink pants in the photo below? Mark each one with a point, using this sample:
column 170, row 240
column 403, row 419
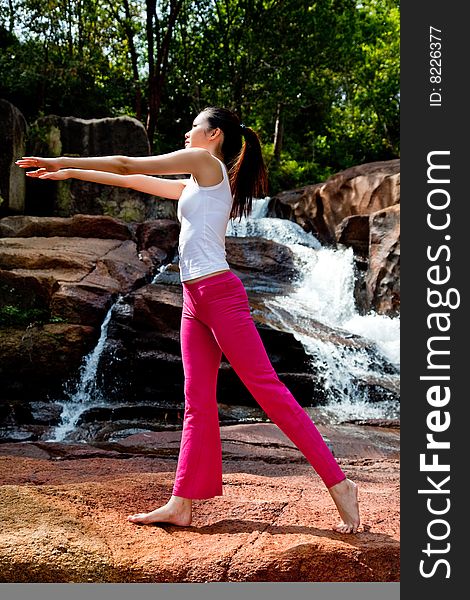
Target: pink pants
column 216, row 318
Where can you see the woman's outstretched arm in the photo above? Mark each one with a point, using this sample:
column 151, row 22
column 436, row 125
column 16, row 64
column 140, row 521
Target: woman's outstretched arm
column 167, row 188
column 193, row 161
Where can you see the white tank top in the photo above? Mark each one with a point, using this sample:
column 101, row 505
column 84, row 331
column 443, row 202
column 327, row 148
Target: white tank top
column 204, row 213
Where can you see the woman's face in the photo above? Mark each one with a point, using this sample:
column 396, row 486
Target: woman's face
column 198, row 135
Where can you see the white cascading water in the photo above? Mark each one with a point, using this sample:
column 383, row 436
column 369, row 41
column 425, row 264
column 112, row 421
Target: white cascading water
column 87, row 394
column 325, row 292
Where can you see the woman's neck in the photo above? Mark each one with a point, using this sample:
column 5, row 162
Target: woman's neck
column 217, row 153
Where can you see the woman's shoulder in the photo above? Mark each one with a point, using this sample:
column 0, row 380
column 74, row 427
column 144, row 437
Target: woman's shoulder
column 210, row 170
column 202, row 156
column 198, row 154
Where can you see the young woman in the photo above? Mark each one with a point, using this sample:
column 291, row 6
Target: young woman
column 226, row 173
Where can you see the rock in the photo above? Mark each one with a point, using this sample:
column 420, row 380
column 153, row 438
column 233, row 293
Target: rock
column 376, row 237
column 83, row 226
column 360, row 190
column 160, row 233
column 34, row 362
column 61, row 136
column 259, row 256
column 75, row 267
column 353, row 232
column 68, row 254
column 273, row 522
column 26, row 289
column 22, row 421
column 12, row 183
column 75, row 277
column 383, row 277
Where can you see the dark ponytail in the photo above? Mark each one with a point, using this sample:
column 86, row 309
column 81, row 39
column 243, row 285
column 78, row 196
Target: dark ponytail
column 245, row 164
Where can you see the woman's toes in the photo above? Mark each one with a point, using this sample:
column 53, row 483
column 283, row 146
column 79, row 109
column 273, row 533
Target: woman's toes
column 134, row 518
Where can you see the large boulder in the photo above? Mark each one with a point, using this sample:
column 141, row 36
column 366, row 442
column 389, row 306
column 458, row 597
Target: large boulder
column 75, row 277
column 360, row 190
column 70, row 136
column 12, row 134
column 261, row 257
column 375, row 239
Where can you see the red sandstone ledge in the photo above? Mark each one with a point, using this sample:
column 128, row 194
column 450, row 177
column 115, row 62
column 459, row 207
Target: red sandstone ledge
column 63, row 510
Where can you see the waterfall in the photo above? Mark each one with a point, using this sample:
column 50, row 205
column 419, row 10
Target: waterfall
column 324, row 292
column 277, row 230
column 87, row 393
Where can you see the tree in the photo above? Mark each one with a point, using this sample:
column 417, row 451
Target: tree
column 318, row 80
column 159, row 30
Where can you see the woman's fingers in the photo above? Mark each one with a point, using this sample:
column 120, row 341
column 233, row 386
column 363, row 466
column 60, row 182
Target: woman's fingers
column 27, row 161
column 37, row 173
column 58, row 175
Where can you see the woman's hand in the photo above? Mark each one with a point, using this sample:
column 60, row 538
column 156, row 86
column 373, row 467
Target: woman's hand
column 42, row 164
column 45, row 174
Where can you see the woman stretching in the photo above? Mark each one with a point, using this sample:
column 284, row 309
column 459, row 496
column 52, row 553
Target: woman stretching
column 226, row 173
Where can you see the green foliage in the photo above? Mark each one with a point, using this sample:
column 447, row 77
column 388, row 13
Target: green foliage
column 13, row 316
column 57, row 60
column 289, row 173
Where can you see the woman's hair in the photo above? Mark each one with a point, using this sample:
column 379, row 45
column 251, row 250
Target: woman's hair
column 245, row 164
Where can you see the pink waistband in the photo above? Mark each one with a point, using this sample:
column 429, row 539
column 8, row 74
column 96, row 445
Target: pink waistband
column 226, row 276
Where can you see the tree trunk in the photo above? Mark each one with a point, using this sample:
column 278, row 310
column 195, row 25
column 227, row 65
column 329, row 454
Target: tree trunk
column 158, row 68
column 11, row 15
column 134, row 61
column 154, row 103
column 278, row 133
column 151, row 14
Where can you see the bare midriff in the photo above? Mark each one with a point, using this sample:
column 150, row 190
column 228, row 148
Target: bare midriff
column 205, row 276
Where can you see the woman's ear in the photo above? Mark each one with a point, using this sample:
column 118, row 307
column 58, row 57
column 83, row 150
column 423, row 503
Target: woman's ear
column 215, row 133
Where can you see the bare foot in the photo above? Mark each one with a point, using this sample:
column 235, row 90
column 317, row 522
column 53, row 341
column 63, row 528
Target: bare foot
column 177, row 511
column 344, row 495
